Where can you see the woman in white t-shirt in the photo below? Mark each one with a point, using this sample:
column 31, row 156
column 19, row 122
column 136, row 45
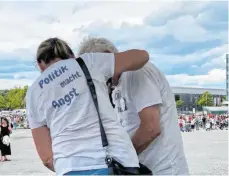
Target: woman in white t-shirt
column 62, row 115
column 193, row 122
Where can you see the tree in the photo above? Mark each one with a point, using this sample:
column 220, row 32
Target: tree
column 206, row 99
column 224, row 98
column 2, row 102
column 179, row 103
column 15, row 98
column 24, row 94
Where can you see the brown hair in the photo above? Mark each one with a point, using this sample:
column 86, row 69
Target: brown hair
column 53, row 48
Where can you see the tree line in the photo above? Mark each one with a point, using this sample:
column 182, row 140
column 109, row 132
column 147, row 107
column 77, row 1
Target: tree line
column 13, row 98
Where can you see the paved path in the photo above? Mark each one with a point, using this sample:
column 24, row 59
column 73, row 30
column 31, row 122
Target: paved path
column 24, row 159
column 207, row 154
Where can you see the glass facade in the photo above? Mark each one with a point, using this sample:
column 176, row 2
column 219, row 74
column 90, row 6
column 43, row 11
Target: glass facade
column 190, row 101
column 190, row 96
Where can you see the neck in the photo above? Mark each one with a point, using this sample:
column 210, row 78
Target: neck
column 53, row 62
column 43, row 66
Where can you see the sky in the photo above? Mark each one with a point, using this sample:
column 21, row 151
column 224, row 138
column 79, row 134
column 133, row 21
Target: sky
column 187, row 40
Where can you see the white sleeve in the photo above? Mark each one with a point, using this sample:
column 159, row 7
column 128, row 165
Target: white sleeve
column 144, row 91
column 31, row 115
column 103, row 62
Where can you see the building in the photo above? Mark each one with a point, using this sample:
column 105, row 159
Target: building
column 216, row 110
column 190, row 95
column 227, row 76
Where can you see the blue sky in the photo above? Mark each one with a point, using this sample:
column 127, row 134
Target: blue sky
column 186, row 40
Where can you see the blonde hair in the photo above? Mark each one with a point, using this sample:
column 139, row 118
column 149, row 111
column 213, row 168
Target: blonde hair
column 53, row 48
column 96, row 45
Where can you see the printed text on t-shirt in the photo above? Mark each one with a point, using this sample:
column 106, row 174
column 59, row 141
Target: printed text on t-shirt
column 52, row 76
column 67, row 99
column 70, row 79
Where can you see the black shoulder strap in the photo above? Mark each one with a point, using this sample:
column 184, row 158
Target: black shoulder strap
column 94, row 97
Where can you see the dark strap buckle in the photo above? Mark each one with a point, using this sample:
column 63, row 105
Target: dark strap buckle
column 108, row 160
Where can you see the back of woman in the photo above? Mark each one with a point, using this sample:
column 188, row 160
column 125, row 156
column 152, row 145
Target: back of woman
column 60, row 101
column 70, row 114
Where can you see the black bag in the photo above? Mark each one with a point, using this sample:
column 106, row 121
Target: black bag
column 114, row 167
column 143, row 170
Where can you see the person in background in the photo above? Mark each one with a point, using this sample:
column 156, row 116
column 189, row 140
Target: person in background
column 0, row 137
column 226, row 122
column 15, row 123
column 181, row 124
column 189, row 119
column 63, row 117
column 145, row 105
column 193, row 122
column 208, row 125
column 204, row 120
column 5, row 134
column 197, row 123
column 184, row 121
column 10, row 124
column 212, row 122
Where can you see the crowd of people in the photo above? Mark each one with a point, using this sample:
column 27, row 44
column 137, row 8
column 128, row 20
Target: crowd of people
column 205, row 122
column 17, row 121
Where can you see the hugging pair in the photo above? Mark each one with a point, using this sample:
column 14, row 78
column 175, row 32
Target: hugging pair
column 68, row 136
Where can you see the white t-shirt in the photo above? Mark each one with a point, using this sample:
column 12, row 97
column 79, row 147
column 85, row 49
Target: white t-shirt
column 141, row 89
column 193, row 122
column 213, row 121
column 61, row 99
column 208, row 125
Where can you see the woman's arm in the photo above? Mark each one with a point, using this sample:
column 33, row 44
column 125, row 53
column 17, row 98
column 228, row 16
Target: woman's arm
column 43, row 143
column 129, row 61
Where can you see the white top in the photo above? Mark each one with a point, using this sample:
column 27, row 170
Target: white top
column 213, row 120
column 61, row 99
column 208, row 125
column 193, row 121
column 141, row 89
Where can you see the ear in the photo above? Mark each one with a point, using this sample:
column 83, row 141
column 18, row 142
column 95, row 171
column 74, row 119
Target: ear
column 42, row 66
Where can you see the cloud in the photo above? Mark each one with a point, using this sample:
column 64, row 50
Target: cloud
column 205, row 61
column 216, row 62
column 212, row 14
column 214, row 78
column 27, row 27
column 17, row 79
column 11, row 83
column 15, row 68
column 186, row 39
column 21, row 75
column 48, row 19
column 185, row 29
